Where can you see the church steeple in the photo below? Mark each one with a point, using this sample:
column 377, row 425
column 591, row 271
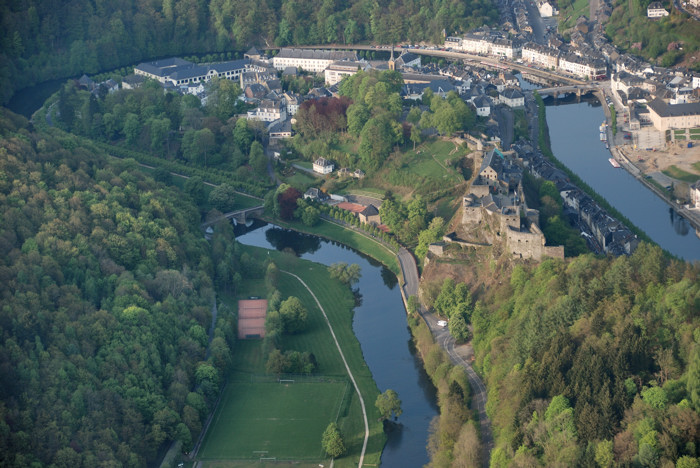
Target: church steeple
column 392, row 62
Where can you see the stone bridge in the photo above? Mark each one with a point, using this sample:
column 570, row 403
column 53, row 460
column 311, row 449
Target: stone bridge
column 578, row 90
column 241, row 216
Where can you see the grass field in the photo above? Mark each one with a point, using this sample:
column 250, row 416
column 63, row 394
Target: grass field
column 679, row 174
column 272, row 420
column 568, row 16
column 267, row 416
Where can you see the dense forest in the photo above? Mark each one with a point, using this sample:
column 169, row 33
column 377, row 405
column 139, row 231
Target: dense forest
column 591, row 362
column 40, row 40
column 107, row 288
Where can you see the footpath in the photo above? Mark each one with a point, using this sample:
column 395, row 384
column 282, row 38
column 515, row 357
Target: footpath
column 459, row 354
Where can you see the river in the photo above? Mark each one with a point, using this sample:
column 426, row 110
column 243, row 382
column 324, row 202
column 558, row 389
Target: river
column 574, row 136
column 380, row 326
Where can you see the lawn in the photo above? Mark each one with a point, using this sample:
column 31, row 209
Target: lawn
column 272, row 420
column 680, row 174
column 568, row 16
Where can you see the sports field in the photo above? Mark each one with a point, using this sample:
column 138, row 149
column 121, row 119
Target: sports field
column 272, row 420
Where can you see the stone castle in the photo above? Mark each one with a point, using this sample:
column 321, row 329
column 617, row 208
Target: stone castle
column 496, row 201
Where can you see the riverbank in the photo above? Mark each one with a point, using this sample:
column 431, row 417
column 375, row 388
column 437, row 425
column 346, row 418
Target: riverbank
column 691, row 215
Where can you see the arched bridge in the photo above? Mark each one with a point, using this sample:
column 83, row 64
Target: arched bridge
column 579, row 90
column 241, row 216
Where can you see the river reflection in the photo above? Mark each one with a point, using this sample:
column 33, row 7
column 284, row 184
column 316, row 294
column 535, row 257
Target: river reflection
column 379, row 323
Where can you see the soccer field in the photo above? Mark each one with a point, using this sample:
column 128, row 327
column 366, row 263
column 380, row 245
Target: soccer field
column 272, row 420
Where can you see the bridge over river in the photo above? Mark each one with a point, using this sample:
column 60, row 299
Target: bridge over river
column 241, row 216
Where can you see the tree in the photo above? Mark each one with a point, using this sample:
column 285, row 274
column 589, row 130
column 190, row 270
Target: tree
column 332, row 441
column 194, row 186
column 286, row 198
column 257, row 158
column 132, row 128
column 223, row 197
column 459, row 329
column 376, row 141
column 310, row 216
column 348, row 274
column 293, row 315
column 242, row 136
column 388, row 403
column 416, row 135
column 223, row 98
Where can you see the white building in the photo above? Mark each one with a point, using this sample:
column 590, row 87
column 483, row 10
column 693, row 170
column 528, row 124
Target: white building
column 695, row 195
column 546, row 57
column 475, row 44
column 666, row 116
column 178, row 72
column 454, row 43
column 323, row 166
column 504, row 48
column 483, row 106
column 339, row 70
column 268, row 111
column 656, row 10
column 546, row 8
column 696, row 81
column 582, row 67
column 310, row 60
column 512, row 97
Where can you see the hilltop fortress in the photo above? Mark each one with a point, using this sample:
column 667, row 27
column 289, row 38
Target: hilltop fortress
column 495, row 208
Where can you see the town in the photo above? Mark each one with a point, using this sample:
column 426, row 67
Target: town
column 644, row 98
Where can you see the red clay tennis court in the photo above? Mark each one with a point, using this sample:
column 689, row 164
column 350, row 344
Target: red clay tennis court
column 251, row 318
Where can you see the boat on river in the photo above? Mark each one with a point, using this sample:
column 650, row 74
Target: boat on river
column 614, row 163
column 603, row 136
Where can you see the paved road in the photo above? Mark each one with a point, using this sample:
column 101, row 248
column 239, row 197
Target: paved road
column 459, row 355
column 504, row 117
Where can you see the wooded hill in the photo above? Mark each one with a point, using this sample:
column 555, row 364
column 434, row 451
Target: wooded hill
column 106, row 291
column 592, row 362
column 40, row 40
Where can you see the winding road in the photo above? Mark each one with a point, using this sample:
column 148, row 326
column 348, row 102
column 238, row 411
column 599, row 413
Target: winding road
column 347, row 367
column 459, row 355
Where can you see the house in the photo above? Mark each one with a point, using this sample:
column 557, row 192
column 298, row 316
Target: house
column 408, row 59
column 253, row 54
column 583, row 67
column 323, row 166
column 86, row 82
column 546, row 57
column 454, row 43
column 666, row 116
column 695, row 195
column 133, row 81
column 546, row 8
column 110, row 85
column 316, row 194
column 310, row 60
column 483, row 106
column 280, row 129
column 269, row 111
column 339, row 70
column 512, row 97
column 656, row 10
column 370, row 215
